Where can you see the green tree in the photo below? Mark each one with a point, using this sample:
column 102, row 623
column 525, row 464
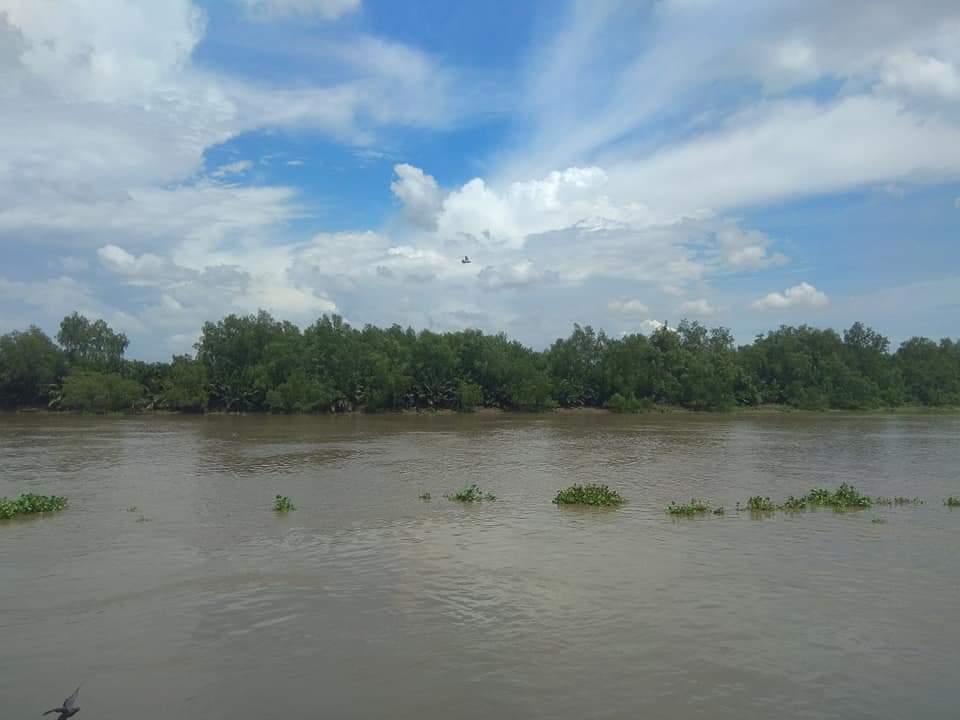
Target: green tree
column 30, row 364
column 91, row 345
column 185, row 387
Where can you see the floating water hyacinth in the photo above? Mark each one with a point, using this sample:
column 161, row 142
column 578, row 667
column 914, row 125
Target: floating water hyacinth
column 30, row 504
column 694, row 507
column 590, row 494
column 283, row 504
column 472, row 493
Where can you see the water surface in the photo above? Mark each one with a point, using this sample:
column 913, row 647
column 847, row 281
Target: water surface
column 369, row 603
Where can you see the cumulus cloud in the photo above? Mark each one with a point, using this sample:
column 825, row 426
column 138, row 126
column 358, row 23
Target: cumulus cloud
column 421, row 196
column 697, row 308
column 802, row 295
column 627, row 307
column 650, row 326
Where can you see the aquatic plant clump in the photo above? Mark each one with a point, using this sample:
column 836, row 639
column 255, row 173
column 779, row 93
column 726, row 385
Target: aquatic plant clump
column 952, row 501
column 694, row 507
column 846, row 497
column 472, row 493
column 282, row 503
column 590, row 494
column 30, row 504
column 794, row 504
column 761, row 504
column 424, row 496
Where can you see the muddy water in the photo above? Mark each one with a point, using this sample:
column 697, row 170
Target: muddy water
column 370, row 603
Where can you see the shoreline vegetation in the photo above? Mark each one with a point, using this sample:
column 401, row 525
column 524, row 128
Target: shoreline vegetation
column 255, row 363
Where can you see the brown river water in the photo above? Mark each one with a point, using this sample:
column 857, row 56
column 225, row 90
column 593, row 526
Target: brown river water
column 367, row 602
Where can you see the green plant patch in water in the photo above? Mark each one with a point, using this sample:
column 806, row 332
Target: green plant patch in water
column 694, row 507
column 282, row 503
column 30, row 504
column 761, row 504
column 846, row 497
column 424, row 496
column 952, row 501
column 794, row 504
column 596, row 495
column 472, row 493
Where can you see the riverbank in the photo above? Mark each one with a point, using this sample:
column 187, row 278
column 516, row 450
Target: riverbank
column 578, row 411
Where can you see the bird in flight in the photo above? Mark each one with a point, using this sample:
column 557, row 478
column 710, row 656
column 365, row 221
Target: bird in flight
column 69, row 707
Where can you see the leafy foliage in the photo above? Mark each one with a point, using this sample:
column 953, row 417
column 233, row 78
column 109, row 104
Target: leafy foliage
column 471, row 493
column 281, row 503
column 846, row 497
column 97, row 392
column 590, row 494
column 29, row 503
column 257, row 363
column 761, row 504
column 694, row 507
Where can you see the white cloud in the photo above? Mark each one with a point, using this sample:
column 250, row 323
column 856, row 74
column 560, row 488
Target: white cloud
column 802, row 295
column 235, row 168
column 326, row 9
column 421, row 196
column 627, row 307
column 650, row 326
column 791, row 148
column 518, row 275
column 697, row 308
column 921, row 75
column 747, row 249
column 494, row 216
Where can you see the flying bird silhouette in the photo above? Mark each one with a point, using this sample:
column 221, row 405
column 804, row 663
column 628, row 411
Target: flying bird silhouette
column 69, row 707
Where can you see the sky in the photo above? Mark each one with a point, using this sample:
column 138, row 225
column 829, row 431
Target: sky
column 744, row 163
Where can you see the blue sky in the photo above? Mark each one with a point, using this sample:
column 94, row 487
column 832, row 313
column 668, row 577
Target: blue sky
column 620, row 164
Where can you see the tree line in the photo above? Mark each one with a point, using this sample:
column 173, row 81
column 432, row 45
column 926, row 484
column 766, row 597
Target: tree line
column 256, row 363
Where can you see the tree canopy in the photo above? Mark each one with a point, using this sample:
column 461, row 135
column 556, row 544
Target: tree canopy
column 258, row 363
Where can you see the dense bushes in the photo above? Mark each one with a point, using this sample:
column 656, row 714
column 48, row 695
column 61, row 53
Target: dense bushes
column 91, row 391
column 256, row 363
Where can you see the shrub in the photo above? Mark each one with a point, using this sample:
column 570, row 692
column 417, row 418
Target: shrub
column 596, row 495
column 100, row 392
column 469, row 396
column 629, row 404
column 300, row 394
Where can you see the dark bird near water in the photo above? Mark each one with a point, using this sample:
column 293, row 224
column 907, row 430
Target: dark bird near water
column 69, row 707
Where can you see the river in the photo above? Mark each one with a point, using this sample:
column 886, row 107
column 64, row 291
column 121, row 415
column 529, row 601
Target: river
column 173, row 590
